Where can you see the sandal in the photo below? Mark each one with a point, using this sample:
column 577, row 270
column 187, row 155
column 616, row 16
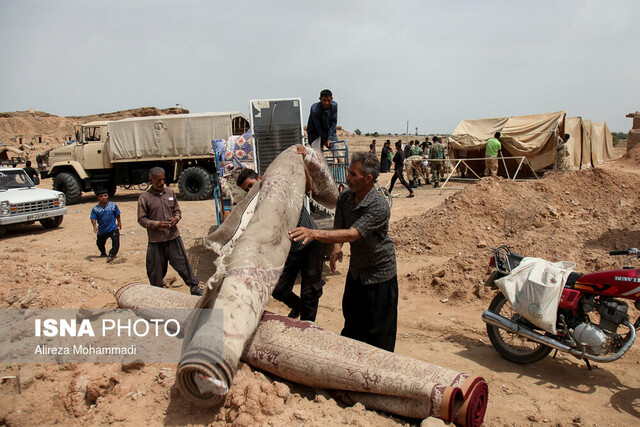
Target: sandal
column 411, row 195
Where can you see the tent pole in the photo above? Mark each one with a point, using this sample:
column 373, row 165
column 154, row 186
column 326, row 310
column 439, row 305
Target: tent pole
column 505, row 165
column 531, row 167
column 450, row 175
column 469, row 169
column 518, row 170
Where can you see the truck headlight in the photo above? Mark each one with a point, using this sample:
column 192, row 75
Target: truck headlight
column 4, row 208
column 61, row 200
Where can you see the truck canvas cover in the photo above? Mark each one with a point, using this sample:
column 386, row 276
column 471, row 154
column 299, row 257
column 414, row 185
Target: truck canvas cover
column 167, row 137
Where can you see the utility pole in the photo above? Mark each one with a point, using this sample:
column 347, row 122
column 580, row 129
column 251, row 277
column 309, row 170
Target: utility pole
column 406, row 135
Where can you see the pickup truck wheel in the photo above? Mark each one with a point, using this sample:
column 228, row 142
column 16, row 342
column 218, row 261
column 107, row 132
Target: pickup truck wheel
column 69, row 185
column 51, row 222
column 195, row 184
column 3, row 230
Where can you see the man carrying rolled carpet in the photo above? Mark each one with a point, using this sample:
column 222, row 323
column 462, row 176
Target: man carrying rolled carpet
column 370, row 300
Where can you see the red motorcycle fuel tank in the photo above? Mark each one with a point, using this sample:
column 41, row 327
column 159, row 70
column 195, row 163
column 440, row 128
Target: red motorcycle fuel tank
column 623, row 283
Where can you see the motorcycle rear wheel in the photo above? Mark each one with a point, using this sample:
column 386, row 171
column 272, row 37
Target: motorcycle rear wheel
column 511, row 346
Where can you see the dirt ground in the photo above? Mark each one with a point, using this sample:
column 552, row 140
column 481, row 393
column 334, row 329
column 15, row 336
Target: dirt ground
column 440, row 238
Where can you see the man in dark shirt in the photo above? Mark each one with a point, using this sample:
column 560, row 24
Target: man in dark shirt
column 398, row 161
column 304, row 259
column 33, row 174
column 323, row 121
column 385, row 164
column 159, row 213
column 370, row 300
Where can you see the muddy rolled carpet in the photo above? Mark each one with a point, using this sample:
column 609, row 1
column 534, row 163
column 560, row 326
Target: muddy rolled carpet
column 353, row 371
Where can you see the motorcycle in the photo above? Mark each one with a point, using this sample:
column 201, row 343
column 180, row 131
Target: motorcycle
column 589, row 314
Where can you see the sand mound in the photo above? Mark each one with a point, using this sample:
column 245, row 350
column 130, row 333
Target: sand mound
column 632, row 156
column 576, row 216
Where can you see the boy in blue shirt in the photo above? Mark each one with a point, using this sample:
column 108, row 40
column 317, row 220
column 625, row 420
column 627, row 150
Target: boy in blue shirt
column 105, row 217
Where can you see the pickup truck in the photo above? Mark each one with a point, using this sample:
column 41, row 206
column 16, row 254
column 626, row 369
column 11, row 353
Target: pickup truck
column 22, row 203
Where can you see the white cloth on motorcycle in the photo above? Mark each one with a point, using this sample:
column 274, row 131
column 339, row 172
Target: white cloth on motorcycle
column 534, row 288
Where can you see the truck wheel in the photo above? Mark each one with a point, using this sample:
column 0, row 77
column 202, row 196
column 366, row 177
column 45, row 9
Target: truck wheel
column 69, row 185
column 51, row 222
column 3, row 230
column 195, row 184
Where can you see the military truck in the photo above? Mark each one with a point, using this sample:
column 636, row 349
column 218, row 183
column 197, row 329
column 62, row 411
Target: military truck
column 108, row 154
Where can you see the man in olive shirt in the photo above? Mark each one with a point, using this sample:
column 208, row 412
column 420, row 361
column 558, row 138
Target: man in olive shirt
column 159, row 213
column 491, row 154
column 370, row 300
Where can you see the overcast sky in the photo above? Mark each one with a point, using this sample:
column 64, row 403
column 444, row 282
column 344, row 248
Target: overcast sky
column 432, row 63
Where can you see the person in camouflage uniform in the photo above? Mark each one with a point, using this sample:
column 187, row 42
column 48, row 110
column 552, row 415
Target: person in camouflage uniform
column 412, row 173
column 415, row 150
column 562, row 156
column 437, row 152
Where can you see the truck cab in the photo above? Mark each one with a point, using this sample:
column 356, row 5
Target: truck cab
column 82, row 165
column 89, row 149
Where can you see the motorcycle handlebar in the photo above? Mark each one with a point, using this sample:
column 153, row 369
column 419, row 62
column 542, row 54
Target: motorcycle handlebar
column 631, row 251
column 618, row 252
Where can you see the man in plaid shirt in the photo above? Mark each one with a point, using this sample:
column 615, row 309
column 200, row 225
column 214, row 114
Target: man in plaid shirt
column 370, row 300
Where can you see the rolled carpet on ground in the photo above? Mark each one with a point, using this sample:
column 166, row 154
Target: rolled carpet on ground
column 304, row 353
column 246, row 273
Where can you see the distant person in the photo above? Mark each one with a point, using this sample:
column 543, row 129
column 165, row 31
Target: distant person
column 425, row 148
column 323, row 121
column 304, row 259
column 427, row 144
column 491, row 154
column 562, row 155
column 415, row 150
column 385, row 163
column 436, row 157
column 412, row 165
column 33, row 174
column 398, row 162
column 159, row 213
column 372, row 148
column 407, row 149
column 105, row 218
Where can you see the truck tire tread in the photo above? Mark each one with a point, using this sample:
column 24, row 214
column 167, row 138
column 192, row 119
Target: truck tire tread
column 194, row 183
column 69, row 185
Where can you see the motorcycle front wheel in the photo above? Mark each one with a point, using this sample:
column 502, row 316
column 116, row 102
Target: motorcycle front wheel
column 512, row 347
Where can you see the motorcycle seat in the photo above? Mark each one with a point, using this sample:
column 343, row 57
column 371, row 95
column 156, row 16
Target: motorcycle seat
column 571, row 280
column 513, row 259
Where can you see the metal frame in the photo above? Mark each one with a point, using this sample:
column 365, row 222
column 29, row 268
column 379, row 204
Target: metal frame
column 523, row 159
column 338, row 168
